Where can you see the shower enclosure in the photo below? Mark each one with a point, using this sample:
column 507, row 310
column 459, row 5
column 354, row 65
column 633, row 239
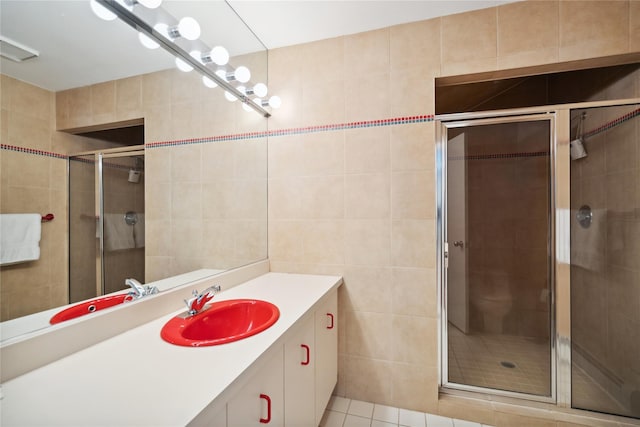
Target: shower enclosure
column 106, row 221
column 539, row 254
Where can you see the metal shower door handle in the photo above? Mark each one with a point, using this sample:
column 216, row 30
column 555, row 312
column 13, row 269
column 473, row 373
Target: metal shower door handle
column 459, row 244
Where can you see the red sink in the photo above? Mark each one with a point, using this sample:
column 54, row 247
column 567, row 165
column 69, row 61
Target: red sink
column 88, row 307
column 222, row 322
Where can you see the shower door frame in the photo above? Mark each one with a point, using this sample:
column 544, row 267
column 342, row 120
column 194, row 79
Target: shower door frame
column 560, row 202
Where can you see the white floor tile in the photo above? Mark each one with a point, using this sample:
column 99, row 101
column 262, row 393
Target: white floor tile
column 385, row 413
column 438, row 421
column 465, row 423
column 338, row 404
column 332, row 419
column 412, row 418
column 360, row 408
column 355, row 421
column 378, row 423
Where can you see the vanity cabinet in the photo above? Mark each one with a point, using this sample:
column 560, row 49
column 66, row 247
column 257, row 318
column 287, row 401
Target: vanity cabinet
column 326, row 335
column 294, row 387
column 260, row 401
column 299, row 375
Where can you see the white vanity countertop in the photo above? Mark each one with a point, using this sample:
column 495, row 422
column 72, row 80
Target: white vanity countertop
column 138, row 379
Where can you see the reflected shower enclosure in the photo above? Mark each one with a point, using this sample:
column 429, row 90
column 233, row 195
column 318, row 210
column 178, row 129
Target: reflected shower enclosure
column 106, row 221
column 498, row 229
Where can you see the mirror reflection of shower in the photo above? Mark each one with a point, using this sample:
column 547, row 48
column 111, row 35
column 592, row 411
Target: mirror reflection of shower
column 106, row 215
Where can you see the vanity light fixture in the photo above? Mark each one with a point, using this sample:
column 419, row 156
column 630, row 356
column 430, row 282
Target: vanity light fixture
column 187, row 28
column 147, row 41
column 183, row 66
column 174, row 39
column 218, row 55
column 101, row 11
column 241, row 74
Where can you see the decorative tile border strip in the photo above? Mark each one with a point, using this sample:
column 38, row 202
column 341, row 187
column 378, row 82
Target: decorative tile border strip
column 296, row 131
column 32, row 151
column 501, row 156
column 613, row 123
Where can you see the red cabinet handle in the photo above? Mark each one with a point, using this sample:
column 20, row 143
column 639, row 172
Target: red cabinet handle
column 306, row 349
column 330, row 317
column 268, row 419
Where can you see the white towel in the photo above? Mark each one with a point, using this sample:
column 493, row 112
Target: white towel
column 587, row 244
column 138, row 230
column 117, row 233
column 19, row 238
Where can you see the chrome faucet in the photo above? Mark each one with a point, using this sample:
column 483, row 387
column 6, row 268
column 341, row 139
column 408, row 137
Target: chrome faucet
column 196, row 304
column 138, row 290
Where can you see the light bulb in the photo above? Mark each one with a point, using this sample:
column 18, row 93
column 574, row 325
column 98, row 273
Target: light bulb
column 196, row 54
column 260, row 90
column 219, row 55
column 257, row 101
column 222, row 74
column 147, row 41
column 208, row 82
column 127, row 4
column 150, row 4
column 230, row 97
column 242, row 74
column 183, row 66
column 275, row 101
column 163, row 29
column 242, row 90
column 189, row 28
column 101, row 11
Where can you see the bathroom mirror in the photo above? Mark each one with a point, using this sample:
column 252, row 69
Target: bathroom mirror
column 205, row 185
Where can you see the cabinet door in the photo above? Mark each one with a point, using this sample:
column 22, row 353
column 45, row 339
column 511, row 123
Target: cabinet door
column 326, row 352
column 299, row 376
column 260, row 401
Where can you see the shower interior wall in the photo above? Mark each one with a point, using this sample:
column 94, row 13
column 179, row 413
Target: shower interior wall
column 605, row 274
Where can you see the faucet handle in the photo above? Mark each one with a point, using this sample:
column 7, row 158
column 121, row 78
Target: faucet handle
column 198, row 301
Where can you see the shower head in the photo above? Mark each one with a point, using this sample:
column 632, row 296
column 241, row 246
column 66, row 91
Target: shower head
column 577, row 150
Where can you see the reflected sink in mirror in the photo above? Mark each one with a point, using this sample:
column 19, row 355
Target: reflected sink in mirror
column 222, row 322
column 89, row 307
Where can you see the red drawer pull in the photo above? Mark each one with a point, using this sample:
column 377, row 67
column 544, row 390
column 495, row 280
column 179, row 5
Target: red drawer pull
column 268, row 419
column 306, row 349
column 330, row 317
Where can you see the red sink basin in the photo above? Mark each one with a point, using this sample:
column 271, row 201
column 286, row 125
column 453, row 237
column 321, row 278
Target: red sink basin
column 89, row 307
column 222, row 322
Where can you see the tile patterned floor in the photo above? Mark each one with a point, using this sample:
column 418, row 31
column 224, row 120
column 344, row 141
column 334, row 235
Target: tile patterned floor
column 343, row 412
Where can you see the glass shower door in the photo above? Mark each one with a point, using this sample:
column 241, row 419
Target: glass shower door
column 84, row 251
column 124, row 219
column 605, row 260
column 498, row 274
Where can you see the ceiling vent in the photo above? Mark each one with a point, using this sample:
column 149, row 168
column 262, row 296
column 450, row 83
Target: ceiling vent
column 15, row 51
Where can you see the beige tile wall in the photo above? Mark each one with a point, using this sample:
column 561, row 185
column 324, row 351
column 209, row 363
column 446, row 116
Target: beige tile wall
column 360, row 202
column 34, row 183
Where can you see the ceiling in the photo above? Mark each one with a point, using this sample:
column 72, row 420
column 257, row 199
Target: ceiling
column 78, row 49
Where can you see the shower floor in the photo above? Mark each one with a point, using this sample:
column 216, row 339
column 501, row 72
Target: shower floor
column 479, row 360
column 476, row 360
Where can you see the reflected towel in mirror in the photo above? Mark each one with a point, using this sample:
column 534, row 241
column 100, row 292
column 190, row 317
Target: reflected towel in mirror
column 138, row 231
column 117, row 233
column 19, row 238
